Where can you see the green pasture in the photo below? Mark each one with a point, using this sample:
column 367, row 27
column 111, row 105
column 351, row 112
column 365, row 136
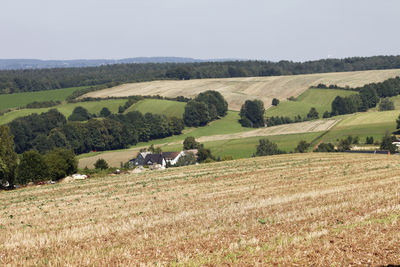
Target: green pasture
column 245, row 147
column 321, row 99
column 22, row 99
column 364, row 124
column 159, row 106
column 66, row 109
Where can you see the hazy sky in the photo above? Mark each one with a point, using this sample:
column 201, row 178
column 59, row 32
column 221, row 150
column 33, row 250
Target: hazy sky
column 253, row 29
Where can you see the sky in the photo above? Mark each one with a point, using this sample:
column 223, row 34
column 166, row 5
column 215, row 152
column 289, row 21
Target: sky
column 297, row 30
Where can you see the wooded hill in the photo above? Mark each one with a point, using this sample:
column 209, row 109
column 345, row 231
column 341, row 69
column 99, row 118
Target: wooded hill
column 13, row 81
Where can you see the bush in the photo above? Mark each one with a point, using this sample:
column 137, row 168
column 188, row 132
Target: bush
column 204, row 154
column 190, row 143
column 369, row 140
column 266, row 147
column 326, row 114
column 387, row 143
column 105, row 112
column 312, row 114
column 61, row 163
column 302, row 147
column 345, row 144
column 8, row 157
column 325, row 147
column 101, row 164
column 32, row 168
column 79, row 114
column 275, row 102
column 187, row 159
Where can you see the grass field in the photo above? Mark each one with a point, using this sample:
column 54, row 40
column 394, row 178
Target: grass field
column 158, row 106
column 364, row 124
column 21, row 99
column 321, row 99
column 237, row 90
column 305, row 210
column 66, row 109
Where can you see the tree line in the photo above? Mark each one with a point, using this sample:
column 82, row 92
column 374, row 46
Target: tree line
column 368, row 97
column 49, row 130
column 14, row 81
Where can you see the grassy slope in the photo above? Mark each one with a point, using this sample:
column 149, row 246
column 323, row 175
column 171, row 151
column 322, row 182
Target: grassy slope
column 158, row 106
column 321, row 99
column 364, row 124
column 22, row 99
column 292, row 210
column 66, row 109
column 246, row 147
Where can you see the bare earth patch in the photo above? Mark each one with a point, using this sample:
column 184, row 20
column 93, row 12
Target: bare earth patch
column 237, row 90
column 301, row 209
column 114, row 158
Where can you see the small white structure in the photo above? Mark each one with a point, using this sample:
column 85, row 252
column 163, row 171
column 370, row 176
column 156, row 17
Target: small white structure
column 172, row 157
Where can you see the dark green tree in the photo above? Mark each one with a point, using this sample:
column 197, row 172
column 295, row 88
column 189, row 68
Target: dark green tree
column 32, row 168
column 204, row 154
column 79, row 114
column 61, row 162
column 105, row 112
column 312, row 114
column 101, row 164
column 302, row 147
column 252, row 114
column 216, row 103
column 196, row 114
column 266, row 148
column 190, row 143
column 187, row 159
column 325, row 147
column 387, row 143
column 386, row 104
column 275, row 101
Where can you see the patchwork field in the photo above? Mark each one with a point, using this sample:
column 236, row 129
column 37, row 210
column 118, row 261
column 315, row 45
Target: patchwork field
column 22, row 99
column 158, row 106
column 321, row 99
column 237, row 90
column 313, row 209
column 66, row 109
column 237, row 145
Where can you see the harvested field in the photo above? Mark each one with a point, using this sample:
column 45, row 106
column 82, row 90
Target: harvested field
column 237, row 90
column 114, row 158
column 300, row 209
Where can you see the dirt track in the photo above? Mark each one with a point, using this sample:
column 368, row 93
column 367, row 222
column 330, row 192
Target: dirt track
column 237, row 90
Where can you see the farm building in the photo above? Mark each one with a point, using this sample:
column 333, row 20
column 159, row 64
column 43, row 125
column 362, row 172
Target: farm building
column 139, row 161
column 172, row 157
column 155, row 159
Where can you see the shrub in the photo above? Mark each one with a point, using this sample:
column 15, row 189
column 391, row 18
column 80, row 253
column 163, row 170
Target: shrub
column 302, row 147
column 204, row 154
column 325, row 147
column 387, row 143
column 187, row 159
column 312, row 114
column 101, row 164
column 190, row 143
column 79, row 114
column 275, row 102
column 369, row 140
column 266, row 147
column 326, row 114
column 105, row 112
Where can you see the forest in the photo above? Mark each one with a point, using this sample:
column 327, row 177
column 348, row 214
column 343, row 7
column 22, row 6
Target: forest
column 14, row 81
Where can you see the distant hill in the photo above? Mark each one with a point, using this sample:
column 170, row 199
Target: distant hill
column 15, row 64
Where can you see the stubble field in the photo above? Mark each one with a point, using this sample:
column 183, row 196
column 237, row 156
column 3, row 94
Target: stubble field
column 312, row 209
column 237, row 90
